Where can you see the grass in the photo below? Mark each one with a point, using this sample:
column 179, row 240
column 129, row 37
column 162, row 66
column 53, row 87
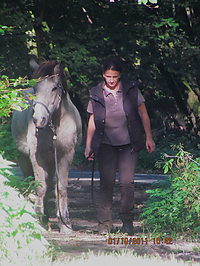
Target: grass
column 123, row 257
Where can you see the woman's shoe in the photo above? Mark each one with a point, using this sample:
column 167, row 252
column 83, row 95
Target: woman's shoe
column 127, row 227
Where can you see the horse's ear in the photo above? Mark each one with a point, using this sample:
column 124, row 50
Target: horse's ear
column 58, row 69
column 62, row 65
column 33, row 64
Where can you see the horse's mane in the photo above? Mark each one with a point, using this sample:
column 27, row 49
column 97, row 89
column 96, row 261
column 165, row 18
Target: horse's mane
column 47, row 69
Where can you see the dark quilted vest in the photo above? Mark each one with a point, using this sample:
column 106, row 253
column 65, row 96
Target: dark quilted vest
column 130, row 106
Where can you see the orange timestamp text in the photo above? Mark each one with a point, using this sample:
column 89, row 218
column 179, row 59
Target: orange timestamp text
column 139, row 241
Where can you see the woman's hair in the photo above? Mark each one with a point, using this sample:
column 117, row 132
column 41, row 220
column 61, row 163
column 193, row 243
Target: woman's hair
column 112, row 64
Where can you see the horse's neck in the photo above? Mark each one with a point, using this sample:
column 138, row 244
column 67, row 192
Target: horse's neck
column 68, row 103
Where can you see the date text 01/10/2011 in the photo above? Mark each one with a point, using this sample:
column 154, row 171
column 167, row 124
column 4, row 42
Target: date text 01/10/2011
column 139, row 241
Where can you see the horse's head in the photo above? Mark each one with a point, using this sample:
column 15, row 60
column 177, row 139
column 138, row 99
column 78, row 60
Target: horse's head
column 48, row 91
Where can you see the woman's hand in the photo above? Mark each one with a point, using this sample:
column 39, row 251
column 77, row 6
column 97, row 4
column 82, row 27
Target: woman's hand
column 88, row 154
column 150, row 145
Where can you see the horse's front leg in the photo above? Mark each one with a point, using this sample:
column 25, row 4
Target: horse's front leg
column 39, row 172
column 40, row 177
column 61, row 193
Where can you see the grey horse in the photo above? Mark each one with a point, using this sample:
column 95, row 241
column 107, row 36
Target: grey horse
column 50, row 124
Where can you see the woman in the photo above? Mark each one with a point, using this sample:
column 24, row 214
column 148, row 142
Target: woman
column 115, row 137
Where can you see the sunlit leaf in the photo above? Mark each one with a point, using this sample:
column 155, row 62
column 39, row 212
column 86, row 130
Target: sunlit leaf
column 32, row 82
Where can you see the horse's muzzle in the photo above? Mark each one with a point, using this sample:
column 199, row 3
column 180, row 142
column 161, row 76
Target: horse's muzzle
column 40, row 123
column 38, row 119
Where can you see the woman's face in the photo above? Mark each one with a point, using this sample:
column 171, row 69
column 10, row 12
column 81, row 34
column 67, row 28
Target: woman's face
column 112, row 78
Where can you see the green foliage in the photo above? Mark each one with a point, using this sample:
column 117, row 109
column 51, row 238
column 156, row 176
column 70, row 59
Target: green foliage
column 12, row 94
column 146, row 1
column 5, row 165
column 21, row 240
column 150, row 162
column 14, row 26
column 7, row 146
column 24, row 186
column 11, row 98
column 174, row 204
column 3, row 29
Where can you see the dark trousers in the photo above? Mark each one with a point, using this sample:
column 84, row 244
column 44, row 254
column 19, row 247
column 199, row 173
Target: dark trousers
column 111, row 157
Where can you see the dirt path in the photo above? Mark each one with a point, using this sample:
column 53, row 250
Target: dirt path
column 85, row 236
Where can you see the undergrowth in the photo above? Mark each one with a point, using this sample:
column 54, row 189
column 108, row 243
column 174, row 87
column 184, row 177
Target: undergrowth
column 147, row 161
column 21, row 240
column 174, row 203
column 7, row 146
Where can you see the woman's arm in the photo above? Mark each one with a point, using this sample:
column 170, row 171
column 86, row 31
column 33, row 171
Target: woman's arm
column 90, row 132
column 150, row 145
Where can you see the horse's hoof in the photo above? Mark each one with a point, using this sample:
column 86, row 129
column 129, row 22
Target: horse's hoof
column 65, row 229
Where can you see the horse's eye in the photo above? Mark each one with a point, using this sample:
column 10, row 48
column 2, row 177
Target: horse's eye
column 54, row 89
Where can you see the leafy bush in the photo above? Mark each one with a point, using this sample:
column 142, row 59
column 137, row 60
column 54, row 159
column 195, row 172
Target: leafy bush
column 7, row 146
column 25, row 186
column 11, row 94
column 174, row 204
column 11, row 98
column 21, row 240
column 148, row 160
